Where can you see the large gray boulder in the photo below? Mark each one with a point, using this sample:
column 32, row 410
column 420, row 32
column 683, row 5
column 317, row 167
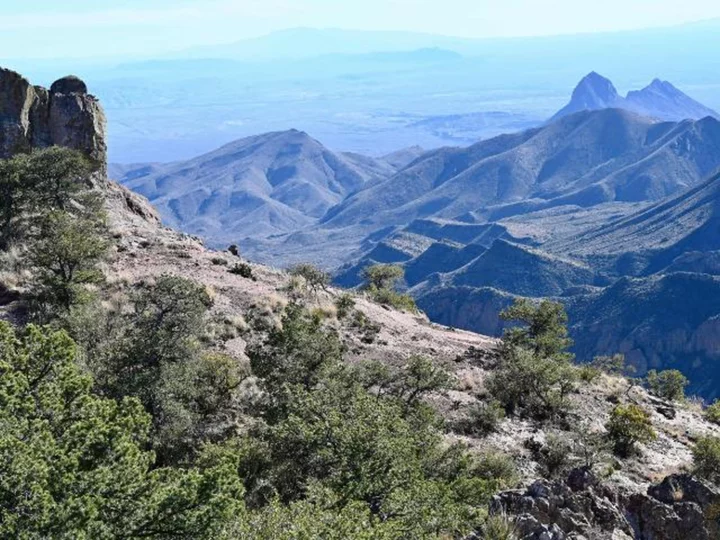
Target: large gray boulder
column 66, row 115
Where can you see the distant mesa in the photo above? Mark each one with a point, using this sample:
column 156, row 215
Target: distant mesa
column 660, row 100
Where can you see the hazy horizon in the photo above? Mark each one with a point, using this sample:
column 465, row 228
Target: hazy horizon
column 81, row 29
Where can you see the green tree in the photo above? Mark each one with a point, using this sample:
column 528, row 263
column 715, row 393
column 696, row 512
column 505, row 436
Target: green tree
column 627, row 426
column 535, row 372
column 712, row 413
column 316, row 280
column 382, row 276
column 706, row 458
column 74, row 464
column 669, row 384
column 66, row 259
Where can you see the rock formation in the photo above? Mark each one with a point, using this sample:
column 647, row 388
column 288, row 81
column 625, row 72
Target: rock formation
column 679, row 508
column 35, row 117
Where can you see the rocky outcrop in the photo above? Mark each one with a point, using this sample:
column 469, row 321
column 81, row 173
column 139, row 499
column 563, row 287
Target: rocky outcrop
column 65, row 115
column 581, row 507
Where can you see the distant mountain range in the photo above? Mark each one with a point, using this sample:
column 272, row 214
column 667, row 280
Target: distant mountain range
column 613, row 212
column 659, row 99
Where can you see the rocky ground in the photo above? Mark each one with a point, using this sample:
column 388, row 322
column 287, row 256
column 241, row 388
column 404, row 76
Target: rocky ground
column 621, row 498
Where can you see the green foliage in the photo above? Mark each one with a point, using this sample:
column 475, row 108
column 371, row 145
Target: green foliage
column 627, row 426
column 243, row 270
column 499, row 527
column 345, row 303
column 382, row 276
column 33, row 185
column 66, row 259
column 155, row 354
column 542, row 330
column 554, row 456
column 669, row 384
column 483, row 418
column 362, row 437
column 612, row 365
column 74, row 464
column 535, row 372
column 706, row 458
column 387, row 297
column 316, row 280
column 712, row 413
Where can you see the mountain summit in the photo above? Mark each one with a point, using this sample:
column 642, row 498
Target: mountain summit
column 593, row 92
column 660, row 99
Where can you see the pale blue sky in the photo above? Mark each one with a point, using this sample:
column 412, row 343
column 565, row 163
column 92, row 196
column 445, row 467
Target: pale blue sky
column 80, row 28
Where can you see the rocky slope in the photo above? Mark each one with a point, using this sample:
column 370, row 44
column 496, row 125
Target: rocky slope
column 144, row 249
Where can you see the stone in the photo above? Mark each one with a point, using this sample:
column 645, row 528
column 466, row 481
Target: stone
column 69, row 85
column 33, row 117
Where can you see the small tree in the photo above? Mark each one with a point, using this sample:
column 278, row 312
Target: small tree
column 535, row 372
column 706, row 458
column 382, row 276
column 712, row 413
column 66, row 259
column 317, row 280
column 628, row 425
column 669, row 384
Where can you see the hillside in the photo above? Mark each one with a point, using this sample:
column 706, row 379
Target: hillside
column 258, row 186
column 584, row 159
column 181, row 391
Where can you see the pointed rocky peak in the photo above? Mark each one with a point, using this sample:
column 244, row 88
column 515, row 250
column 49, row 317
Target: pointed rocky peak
column 593, row 92
column 660, row 99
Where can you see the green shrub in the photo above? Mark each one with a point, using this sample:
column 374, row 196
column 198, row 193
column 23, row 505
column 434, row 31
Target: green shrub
column 316, row 280
column 554, row 456
column 712, row 413
column 219, row 261
column 386, row 297
column 669, row 384
column 483, row 418
column 706, row 458
column 628, row 425
column 345, row 303
column 499, row 527
column 75, row 465
column 243, row 270
column 382, row 276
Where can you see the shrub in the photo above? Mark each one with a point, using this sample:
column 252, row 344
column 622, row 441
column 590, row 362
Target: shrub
column 243, row 270
column 669, row 384
column 76, row 464
column 712, row 413
column 499, row 527
column 219, row 261
column 535, row 372
column 628, row 425
column 386, row 297
column 483, row 418
column 316, row 280
column 345, row 303
column 382, row 276
column 706, row 458
column 66, row 260
column 554, row 456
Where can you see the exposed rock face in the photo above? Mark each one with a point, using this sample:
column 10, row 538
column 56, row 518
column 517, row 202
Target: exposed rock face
column 66, row 115
column 679, row 508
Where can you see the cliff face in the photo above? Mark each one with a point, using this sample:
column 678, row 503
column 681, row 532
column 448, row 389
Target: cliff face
column 65, row 115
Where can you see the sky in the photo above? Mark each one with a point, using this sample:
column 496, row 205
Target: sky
column 112, row 28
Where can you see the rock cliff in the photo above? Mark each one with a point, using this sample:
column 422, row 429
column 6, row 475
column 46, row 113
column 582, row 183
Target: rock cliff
column 65, row 115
